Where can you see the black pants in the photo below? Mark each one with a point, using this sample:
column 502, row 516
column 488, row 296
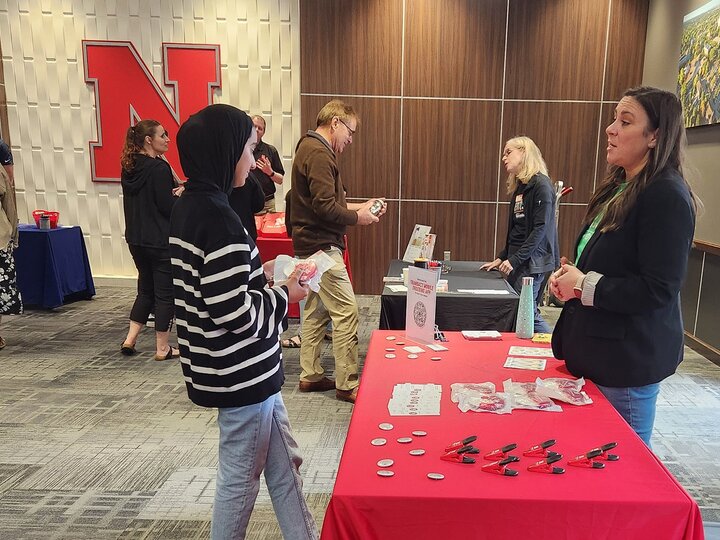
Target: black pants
column 155, row 288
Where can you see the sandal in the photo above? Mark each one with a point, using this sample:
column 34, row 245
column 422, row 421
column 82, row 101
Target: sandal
column 172, row 353
column 2, row 343
column 127, row 349
column 293, row 343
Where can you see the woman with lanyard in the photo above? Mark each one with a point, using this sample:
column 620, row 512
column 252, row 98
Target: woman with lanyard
column 621, row 325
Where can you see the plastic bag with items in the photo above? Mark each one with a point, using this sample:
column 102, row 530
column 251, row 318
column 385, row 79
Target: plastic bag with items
column 526, row 396
column 567, row 390
column 480, row 397
column 311, row 268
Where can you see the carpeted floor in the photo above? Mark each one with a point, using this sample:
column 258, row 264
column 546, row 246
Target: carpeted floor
column 95, row 445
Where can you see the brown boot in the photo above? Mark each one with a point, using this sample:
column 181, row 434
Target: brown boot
column 323, row 385
column 347, row 395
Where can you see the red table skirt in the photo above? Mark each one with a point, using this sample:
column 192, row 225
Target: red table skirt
column 271, row 247
column 633, row 498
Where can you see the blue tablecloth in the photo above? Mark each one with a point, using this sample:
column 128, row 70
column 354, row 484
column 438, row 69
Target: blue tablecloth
column 52, row 266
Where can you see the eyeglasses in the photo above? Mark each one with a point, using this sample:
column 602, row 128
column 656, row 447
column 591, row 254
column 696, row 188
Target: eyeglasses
column 350, row 130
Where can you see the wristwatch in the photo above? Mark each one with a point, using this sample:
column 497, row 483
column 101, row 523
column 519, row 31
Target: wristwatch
column 272, row 174
column 577, row 289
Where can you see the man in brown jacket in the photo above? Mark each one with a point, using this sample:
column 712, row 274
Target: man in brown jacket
column 319, row 218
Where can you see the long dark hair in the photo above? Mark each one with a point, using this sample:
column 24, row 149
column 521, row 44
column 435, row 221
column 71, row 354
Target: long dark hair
column 134, row 142
column 664, row 113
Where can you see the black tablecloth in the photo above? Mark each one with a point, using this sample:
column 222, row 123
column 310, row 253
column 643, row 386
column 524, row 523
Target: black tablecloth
column 457, row 311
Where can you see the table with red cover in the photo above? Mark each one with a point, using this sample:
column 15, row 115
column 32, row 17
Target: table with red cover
column 633, row 498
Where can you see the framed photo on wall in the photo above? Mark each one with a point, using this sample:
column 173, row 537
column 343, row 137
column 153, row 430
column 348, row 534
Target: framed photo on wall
column 699, row 73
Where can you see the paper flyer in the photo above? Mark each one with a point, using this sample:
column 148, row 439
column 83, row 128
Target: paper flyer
column 415, row 245
column 428, row 246
column 420, row 311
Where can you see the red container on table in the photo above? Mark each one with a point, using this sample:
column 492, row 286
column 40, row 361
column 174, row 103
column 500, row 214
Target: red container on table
column 54, row 216
column 274, row 225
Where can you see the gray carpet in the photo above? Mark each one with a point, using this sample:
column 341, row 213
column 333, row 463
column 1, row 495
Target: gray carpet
column 95, row 445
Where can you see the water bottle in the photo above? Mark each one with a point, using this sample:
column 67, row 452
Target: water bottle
column 525, row 323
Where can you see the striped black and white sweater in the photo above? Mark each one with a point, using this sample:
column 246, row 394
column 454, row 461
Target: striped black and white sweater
column 228, row 320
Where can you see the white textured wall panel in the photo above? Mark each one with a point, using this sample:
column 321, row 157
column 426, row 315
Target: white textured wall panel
column 51, row 110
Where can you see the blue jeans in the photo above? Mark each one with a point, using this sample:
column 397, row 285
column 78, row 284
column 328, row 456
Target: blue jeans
column 636, row 405
column 253, row 439
column 515, row 280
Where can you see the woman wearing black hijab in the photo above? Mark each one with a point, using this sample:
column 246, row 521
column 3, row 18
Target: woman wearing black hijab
column 228, row 323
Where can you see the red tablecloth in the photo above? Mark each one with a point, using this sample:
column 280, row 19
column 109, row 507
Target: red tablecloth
column 270, row 248
column 634, row 498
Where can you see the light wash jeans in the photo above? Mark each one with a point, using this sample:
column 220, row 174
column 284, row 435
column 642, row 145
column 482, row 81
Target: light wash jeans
column 636, row 405
column 253, row 439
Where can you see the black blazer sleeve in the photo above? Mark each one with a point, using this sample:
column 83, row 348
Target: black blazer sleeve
column 664, row 226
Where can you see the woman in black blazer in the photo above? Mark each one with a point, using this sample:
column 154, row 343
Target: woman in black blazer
column 621, row 325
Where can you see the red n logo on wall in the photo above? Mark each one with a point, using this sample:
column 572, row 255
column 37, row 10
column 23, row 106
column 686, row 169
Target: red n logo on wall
column 126, row 92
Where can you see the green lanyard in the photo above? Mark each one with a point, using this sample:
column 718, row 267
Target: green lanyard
column 588, row 234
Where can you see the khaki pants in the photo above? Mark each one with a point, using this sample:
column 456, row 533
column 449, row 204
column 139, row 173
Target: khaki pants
column 269, row 205
column 336, row 302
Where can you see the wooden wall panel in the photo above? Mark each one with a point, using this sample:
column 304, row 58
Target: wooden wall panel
column 708, row 314
column 606, row 118
column 370, row 166
column 566, row 134
column 351, row 47
column 450, row 150
column 556, row 49
column 569, row 226
column 466, row 229
column 691, row 290
column 502, row 223
column 372, row 247
column 464, row 59
column 624, row 71
column 433, row 144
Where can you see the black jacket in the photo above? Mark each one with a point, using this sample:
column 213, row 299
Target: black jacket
column 246, row 201
column 148, row 202
column 540, row 250
column 633, row 335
